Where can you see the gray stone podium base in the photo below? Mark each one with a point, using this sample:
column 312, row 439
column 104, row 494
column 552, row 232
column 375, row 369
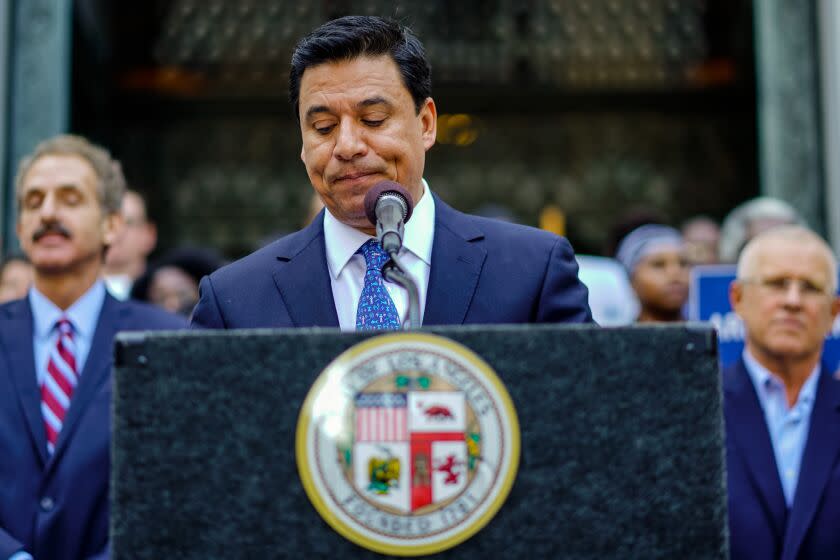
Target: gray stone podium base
column 622, row 452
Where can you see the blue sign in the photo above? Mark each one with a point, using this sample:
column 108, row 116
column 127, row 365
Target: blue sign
column 709, row 301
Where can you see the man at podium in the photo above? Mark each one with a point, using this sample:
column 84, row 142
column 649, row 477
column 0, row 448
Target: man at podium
column 361, row 90
column 782, row 402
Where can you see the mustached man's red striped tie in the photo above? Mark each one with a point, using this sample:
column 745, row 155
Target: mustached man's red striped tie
column 60, row 382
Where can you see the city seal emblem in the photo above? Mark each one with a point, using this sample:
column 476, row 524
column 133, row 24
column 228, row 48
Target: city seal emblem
column 407, row 444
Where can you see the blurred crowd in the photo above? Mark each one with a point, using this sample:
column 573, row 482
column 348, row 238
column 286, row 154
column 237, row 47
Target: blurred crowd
column 643, row 275
column 646, row 274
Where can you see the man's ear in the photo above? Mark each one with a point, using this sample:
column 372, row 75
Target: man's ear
column 151, row 238
column 111, row 227
column 428, row 122
column 835, row 306
column 736, row 294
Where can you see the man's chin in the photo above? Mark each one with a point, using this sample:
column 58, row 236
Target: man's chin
column 51, row 268
column 362, row 224
column 355, row 218
column 791, row 349
column 52, row 264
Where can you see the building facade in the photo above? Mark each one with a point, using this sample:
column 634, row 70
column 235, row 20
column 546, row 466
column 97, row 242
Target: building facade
column 583, row 109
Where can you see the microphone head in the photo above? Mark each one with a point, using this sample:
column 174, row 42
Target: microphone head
column 379, row 190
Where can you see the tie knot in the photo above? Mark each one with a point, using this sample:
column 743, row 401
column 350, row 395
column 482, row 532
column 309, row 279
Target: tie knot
column 64, row 326
column 375, row 256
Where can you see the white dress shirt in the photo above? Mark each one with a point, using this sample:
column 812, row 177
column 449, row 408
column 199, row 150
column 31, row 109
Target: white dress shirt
column 347, row 268
column 83, row 316
column 788, row 425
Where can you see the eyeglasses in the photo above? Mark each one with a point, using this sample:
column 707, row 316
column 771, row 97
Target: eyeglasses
column 134, row 222
column 781, row 286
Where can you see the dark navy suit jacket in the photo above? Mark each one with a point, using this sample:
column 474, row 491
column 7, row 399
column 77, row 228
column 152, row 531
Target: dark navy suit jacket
column 760, row 524
column 57, row 507
column 482, row 271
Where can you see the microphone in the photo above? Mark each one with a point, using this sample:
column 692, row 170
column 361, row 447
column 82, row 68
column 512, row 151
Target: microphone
column 389, row 206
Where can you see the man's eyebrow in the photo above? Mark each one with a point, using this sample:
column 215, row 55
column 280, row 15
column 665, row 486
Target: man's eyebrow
column 316, row 109
column 369, row 102
column 69, row 187
column 40, row 187
column 378, row 100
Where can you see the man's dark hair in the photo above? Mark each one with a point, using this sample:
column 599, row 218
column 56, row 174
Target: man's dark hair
column 350, row 37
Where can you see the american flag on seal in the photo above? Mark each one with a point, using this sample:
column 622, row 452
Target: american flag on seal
column 381, row 417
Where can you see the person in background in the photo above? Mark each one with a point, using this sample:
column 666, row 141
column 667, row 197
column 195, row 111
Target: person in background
column 15, row 278
column 782, row 402
column 702, row 238
column 56, row 356
column 611, row 298
column 127, row 256
column 751, row 218
column 172, row 281
column 654, row 257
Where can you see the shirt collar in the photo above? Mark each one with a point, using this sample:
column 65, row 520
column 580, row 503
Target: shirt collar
column 342, row 241
column 763, row 378
column 83, row 314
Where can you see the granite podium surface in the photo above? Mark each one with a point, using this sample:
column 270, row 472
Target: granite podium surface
column 621, row 443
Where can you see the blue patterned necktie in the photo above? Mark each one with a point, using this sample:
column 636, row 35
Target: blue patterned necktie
column 376, row 310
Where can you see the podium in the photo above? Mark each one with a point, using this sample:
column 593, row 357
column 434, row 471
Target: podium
column 621, row 443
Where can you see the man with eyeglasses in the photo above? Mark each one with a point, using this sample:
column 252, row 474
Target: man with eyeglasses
column 782, row 403
column 126, row 259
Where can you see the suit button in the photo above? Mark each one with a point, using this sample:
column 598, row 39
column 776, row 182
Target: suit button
column 47, row 503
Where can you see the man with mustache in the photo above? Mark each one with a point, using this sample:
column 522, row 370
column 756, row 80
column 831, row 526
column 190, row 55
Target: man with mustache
column 361, row 90
column 782, row 403
column 55, row 356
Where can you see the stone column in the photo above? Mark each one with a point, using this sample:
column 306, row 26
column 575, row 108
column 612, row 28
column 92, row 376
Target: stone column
column 829, row 18
column 38, row 77
column 5, row 27
column 788, row 106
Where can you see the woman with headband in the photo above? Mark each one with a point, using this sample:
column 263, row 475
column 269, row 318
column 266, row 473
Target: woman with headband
column 654, row 257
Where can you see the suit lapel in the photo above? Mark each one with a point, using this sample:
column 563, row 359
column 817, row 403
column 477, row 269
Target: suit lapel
column 746, row 424
column 16, row 333
column 303, row 278
column 96, row 371
column 821, row 453
column 457, row 259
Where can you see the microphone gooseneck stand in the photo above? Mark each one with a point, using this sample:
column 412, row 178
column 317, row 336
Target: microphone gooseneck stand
column 388, row 206
column 395, row 272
